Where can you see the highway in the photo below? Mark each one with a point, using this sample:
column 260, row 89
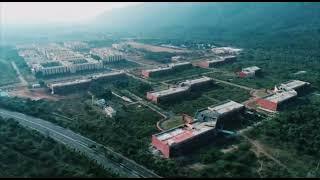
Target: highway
column 127, row 167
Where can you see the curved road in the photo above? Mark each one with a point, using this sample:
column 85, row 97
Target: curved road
column 125, row 168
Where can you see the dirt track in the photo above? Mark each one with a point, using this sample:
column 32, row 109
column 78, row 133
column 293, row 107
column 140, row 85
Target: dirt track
column 156, row 48
column 36, row 94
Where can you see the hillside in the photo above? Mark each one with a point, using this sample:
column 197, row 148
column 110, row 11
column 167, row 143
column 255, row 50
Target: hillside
column 216, row 21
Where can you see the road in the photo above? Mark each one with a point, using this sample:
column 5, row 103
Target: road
column 233, row 84
column 165, row 115
column 22, row 80
column 258, row 146
column 138, row 78
column 122, row 97
column 218, row 80
column 127, row 168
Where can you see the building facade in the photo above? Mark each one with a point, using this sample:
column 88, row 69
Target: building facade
column 194, row 133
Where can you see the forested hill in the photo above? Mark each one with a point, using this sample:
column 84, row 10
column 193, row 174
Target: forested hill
column 225, row 21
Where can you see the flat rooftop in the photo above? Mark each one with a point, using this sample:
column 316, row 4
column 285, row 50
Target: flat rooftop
column 219, row 59
column 196, row 81
column 182, row 133
column 170, row 91
column 251, row 69
column 293, row 84
column 78, row 81
column 226, row 107
column 158, row 69
column 282, row 96
column 170, row 66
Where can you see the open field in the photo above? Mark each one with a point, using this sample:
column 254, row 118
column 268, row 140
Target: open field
column 35, row 94
column 153, row 48
column 7, row 73
column 206, row 97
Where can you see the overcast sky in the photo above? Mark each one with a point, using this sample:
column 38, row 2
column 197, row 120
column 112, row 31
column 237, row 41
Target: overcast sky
column 49, row 12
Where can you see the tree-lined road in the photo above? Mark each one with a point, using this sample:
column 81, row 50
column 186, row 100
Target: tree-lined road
column 127, row 167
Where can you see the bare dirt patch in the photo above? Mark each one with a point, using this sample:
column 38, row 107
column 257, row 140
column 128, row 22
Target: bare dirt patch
column 153, row 48
column 35, row 94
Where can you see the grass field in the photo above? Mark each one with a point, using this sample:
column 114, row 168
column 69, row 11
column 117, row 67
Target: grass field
column 7, row 73
column 206, row 97
column 193, row 71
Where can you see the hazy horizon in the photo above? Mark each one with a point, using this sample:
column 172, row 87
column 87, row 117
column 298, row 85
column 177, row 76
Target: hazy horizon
column 30, row 13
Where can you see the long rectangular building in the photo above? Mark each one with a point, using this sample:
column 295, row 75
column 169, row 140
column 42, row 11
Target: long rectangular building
column 64, row 87
column 165, row 70
column 274, row 101
column 216, row 61
column 171, row 142
column 168, row 94
column 194, row 83
column 293, row 84
column 107, row 55
column 202, row 129
column 249, row 71
column 177, row 92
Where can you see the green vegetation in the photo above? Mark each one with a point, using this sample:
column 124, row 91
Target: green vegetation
column 241, row 163
column 204, row 98
column 7, row 73
column 294, row 136
column 193, row 72
column 128, row 133
column 51, row 64
column 123, row 65
column 161, row 57
column 8, row 55
column 26, row 153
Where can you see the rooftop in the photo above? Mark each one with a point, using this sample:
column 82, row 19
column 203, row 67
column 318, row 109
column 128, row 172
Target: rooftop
column 251, row 69
column 78, row 81
column 168, row 67
column 170, row 91
column 195, row 81
column 282, row 96
column 183, row 132
column 226, row 107
column 293, row 84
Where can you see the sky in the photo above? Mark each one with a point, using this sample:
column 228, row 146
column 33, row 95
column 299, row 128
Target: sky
column 54, row 12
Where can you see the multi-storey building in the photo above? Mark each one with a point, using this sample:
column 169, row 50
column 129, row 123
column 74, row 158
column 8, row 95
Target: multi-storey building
column 201, row 130
column 249, row 71
column 165, row 70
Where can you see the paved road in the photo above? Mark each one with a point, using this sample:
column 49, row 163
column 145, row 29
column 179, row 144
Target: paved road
column 127, row 168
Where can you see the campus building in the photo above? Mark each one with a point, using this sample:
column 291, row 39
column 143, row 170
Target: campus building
column 202, row 129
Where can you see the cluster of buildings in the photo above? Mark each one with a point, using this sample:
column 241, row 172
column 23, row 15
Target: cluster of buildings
column 183, row 89
column 216, row 61
column 281, row 95
column 107, row 55
column 54, row 59
column 76, row 45
column 166, row 70
column 205, row 125
column 249, row 71
column 64, row 87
